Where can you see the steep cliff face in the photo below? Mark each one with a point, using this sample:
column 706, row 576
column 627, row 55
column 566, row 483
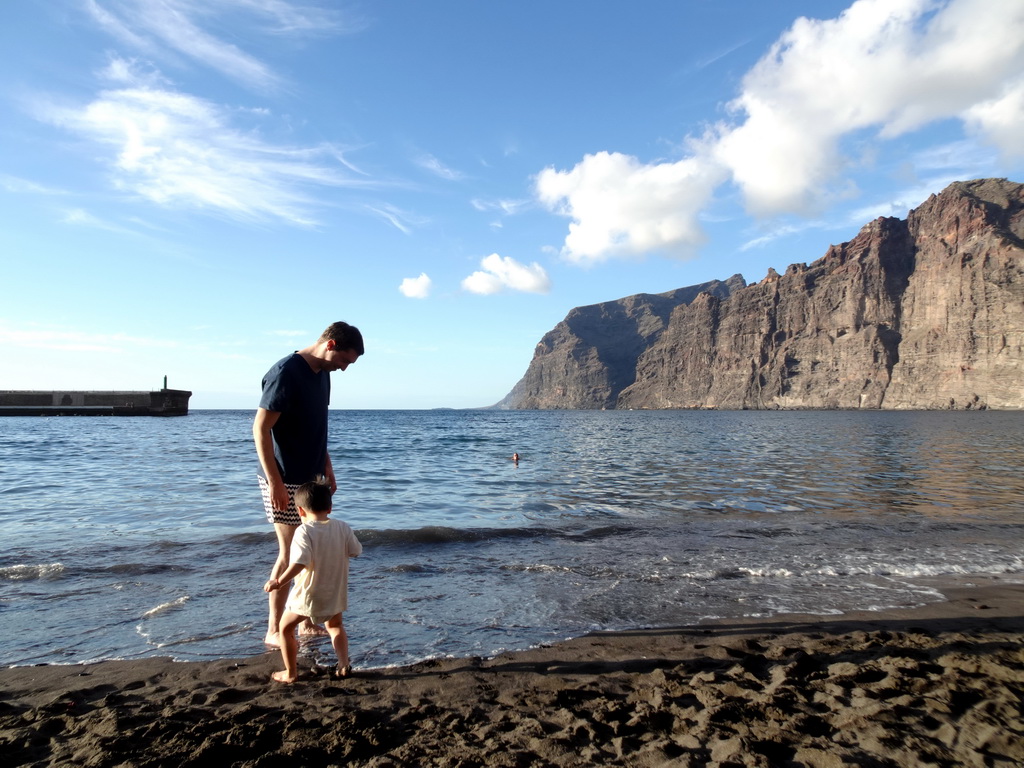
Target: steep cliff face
column 822, row 336
column 590, row 357
column 922, row 313
column 962, row 315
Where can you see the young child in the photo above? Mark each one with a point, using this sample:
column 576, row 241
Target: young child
column 319, row 559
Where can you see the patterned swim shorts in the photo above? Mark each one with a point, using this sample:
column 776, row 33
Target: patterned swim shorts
column 290, row 516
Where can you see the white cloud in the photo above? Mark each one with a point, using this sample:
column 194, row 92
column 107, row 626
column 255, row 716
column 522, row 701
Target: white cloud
column 499, row 273
column 416, row 287
column 883, row 68
column 888, row 65
column 620, row 206
column 179, row 150
column 1001, row 120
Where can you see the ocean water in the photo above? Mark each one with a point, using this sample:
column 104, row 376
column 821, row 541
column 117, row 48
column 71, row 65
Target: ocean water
column 129, row 537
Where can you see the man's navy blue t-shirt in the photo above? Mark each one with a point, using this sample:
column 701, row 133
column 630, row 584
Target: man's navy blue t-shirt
column 301, row 396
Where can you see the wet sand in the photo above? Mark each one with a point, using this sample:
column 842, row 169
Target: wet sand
column 941, row 685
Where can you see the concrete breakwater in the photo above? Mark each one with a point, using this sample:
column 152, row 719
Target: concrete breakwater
column 162, row 402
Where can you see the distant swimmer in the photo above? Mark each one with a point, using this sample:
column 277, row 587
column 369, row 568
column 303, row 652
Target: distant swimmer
column 515, row 458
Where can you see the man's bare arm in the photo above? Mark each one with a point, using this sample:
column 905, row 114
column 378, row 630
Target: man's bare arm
column 261, row 426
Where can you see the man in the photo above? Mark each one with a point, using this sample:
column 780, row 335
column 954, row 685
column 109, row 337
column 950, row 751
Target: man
column 290, row 430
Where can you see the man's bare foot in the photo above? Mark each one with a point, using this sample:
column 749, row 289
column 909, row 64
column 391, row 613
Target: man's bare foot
column 273, row 639
column 307, row 629
column 283, row 677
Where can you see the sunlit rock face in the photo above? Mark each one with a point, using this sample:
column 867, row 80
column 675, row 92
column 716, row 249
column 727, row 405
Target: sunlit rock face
column 926, row 312
column 962, row 314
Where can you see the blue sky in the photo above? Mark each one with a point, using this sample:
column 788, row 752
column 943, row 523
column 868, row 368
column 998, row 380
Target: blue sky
column 195, row 188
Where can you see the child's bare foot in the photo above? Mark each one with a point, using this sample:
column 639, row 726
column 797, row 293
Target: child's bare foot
column 343, row 670
column 307, row 629
column 273, row 639
column 283, row 677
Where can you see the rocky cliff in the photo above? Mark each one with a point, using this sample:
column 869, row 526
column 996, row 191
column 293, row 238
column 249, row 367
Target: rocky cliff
column 926, row 312
column 591, row 356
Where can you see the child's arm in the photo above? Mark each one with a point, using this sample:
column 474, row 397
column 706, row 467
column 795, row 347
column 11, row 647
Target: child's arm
column 290, row 573
column 355, row 548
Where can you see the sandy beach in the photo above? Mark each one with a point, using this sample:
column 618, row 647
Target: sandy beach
column 941, row 685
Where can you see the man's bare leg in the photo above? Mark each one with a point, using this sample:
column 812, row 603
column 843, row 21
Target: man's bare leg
column 279, row 597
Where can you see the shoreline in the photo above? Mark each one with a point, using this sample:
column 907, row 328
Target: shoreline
column 938, row 684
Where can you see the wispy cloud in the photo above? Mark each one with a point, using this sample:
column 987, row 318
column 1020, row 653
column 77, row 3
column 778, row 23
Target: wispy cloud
column 63, row 339
column 401, row 220
column 24, row 186
column 955, row 157
column 179, row 29
column 81, row 217
column 439, row 169
column 503, row 207
column 506, row 206
column 719, row 55
column 178, row 150
column 777, row 233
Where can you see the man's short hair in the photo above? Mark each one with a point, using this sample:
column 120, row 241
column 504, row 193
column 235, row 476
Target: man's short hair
column 314, row 496
column 345, row 336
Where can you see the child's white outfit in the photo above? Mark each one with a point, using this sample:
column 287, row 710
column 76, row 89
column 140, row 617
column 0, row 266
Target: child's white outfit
column 321, row 589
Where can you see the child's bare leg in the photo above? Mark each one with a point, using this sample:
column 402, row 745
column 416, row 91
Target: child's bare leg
column 339, row 639
column 289, row 648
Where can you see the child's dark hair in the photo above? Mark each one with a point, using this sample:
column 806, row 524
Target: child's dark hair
column 314, row 496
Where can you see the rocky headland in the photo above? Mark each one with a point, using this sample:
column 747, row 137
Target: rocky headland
column 921, row 313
